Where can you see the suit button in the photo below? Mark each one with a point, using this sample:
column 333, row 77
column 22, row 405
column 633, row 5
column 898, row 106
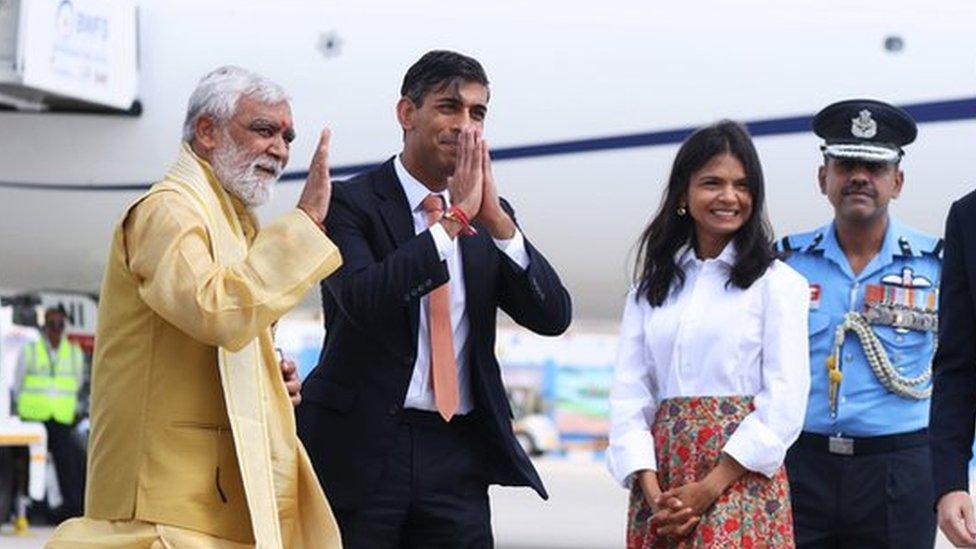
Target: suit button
column 408, row 360
column 393, row 410
column 406, row 297
column 413, row 292
column 429, row 282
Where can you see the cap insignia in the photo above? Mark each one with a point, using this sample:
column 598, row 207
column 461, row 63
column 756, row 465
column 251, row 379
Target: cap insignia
column 864, row 126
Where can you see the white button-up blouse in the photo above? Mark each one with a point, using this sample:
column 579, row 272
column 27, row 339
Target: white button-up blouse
column 711, row 338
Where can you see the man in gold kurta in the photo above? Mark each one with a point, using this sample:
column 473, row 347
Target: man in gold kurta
column 193, row 435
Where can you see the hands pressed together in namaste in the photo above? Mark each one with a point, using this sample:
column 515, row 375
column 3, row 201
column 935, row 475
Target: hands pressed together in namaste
column 472, row 186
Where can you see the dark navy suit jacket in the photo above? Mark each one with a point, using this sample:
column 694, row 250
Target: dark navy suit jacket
column 953, row 415
column 351, row 402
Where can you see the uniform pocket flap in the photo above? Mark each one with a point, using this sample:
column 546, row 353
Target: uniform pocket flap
column 893, row 338
column 818, row 322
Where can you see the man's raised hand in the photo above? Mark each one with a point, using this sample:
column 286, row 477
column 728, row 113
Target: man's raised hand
column 317, row 192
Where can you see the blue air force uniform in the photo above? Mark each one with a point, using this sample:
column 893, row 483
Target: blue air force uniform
column 860, row 471
column 899, row 291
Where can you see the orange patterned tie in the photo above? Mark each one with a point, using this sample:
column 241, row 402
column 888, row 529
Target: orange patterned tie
column 443, row 366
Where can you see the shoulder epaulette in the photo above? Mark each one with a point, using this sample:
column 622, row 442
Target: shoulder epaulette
column 817, row 239
column 783, row 249
column 802, row 242
column 904, row 246
column 913, row 242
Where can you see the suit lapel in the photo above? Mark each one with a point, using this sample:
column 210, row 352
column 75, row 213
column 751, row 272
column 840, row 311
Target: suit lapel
column 394, row 208
column 474, row 264
column 397, row 218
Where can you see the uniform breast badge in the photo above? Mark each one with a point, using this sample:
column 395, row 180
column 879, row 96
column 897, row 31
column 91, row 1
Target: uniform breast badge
column 902, row 301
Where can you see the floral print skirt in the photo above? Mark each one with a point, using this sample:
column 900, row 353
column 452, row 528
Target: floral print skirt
column 689, row 434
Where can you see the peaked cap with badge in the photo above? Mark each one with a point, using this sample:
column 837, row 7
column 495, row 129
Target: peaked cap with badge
column 864, row 129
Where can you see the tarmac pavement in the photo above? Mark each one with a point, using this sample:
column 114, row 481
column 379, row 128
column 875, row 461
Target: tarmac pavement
column 586, row 510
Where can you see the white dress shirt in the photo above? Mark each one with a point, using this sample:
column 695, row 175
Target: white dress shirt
column 713, row 339
column 420, row 395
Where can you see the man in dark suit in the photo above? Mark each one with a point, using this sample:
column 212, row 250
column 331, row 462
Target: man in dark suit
column 405, row 417
column 953, row 415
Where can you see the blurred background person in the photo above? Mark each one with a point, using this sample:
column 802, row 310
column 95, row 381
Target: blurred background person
column 711, row 375
column 47, row 387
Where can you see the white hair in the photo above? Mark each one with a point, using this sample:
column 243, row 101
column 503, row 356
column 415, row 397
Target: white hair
column 219, row 91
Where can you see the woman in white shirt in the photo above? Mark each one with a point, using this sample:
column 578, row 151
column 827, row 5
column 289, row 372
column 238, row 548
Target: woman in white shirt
column 712, row 374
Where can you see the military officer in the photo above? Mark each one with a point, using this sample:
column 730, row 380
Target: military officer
column 860, row 471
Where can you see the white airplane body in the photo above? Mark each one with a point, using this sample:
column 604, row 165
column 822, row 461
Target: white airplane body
column 589, row 102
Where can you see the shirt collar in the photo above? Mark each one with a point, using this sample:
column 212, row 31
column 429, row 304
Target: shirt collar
column 889, row 249
column 415, row 190
column 51, row 349
column 686, row 254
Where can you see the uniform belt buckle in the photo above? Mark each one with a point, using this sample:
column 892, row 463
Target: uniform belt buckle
column 840, row 445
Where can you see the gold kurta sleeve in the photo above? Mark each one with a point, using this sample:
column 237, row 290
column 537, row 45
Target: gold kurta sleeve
column 167, row 249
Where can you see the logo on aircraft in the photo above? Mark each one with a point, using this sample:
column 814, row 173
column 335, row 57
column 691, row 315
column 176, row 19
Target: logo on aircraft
column 70, row 23
column 64, row 21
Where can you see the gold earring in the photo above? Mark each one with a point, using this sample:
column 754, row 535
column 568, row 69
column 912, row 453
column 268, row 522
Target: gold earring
column 682, row 211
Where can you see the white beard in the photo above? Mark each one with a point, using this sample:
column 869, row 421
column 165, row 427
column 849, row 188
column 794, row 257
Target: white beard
column 238, row 173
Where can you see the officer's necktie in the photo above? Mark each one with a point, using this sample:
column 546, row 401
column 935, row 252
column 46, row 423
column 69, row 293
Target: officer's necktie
column 442, row 364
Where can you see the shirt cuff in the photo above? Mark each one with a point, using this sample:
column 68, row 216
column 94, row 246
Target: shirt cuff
column 630, row 453
column 756, row 447
column 443, row 242
column 514, row 248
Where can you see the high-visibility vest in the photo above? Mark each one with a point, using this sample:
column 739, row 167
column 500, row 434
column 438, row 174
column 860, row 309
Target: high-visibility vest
column 51, row 391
